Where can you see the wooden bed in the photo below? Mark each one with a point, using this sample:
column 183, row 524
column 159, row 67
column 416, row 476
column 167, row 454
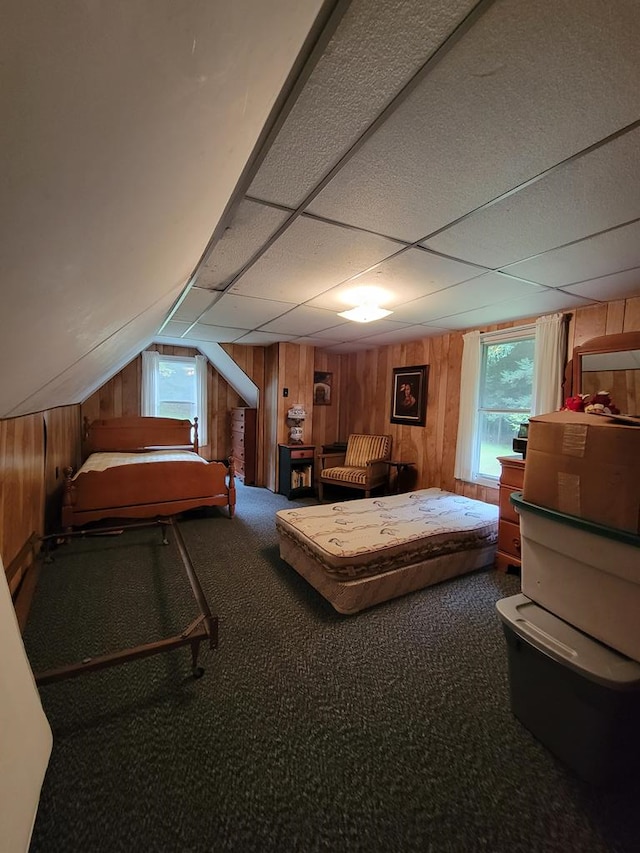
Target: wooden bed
column 143, row 467
column 363, row 552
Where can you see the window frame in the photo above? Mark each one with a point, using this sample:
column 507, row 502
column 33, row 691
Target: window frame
column 488, row 339
column 151, row 381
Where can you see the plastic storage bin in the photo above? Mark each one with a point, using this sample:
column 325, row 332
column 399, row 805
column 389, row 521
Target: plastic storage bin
column 586, row 573
column 581, row 699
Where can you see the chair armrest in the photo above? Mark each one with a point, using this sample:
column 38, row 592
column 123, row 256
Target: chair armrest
column 335, row 459
column 377, row 469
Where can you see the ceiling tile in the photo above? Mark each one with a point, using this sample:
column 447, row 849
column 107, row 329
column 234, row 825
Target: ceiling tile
column 195, row 302
column 309, row 258
column 400, row 335
column 313, row 341
column 244, row 311
column 263, row 338
column 219, row 334
column 304, row 321
column 174, row 329
column 350, row 331
column 348, row 346
column 614, row 250
column 250, row 227
column 368, row 60
column 480, row 292
column 408, row 275
column 620, row 285
column 449, row 147
column 568, row 204
column 517, row 309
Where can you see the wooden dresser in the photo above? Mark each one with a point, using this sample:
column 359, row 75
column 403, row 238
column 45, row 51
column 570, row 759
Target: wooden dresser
column 244, row 444
column 511, row 480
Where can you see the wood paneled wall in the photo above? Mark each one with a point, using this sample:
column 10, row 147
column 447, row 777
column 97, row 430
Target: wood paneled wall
column 364, row 387
column 288, row 366
column 252, row 360
column 34, row 450
column 269, row 407
column 63, row 431
column 22, row 485
column 122, row 396
column 326, row 425
column 361, row 395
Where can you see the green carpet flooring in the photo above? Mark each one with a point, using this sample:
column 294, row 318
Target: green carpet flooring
column 390, row 730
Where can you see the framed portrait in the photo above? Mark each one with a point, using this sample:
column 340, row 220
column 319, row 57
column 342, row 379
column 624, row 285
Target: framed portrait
column 322, row 388
column 409, row 395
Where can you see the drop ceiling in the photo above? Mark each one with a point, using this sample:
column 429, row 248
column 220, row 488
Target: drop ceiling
column 458, row 163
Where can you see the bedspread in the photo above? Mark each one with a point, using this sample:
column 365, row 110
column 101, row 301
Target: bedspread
column 101, row 461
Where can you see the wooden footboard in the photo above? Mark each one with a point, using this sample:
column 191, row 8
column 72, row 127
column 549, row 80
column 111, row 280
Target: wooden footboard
column 147, row 490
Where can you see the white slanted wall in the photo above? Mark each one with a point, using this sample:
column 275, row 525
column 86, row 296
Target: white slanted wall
column 25, row 735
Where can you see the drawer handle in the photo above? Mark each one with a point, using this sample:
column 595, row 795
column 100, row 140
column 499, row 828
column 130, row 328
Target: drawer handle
column 516, row 545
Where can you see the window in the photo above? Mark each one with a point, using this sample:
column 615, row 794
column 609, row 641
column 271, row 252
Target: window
column 507, row 376
column 175, row 387
column 505, row 394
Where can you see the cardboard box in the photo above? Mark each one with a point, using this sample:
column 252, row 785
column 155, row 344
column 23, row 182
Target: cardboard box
column 586, row 466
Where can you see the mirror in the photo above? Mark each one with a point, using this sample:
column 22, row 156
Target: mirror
column 610, row 363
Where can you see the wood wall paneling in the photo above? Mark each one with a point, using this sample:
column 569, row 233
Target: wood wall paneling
column 366, row 391
column 326, row 422
column 122, row 395
column 270, row 407
column 22, row 485
column 631, row 321
column 63, row 433
column 34, row 450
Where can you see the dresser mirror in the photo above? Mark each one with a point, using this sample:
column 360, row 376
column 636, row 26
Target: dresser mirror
column 609, row 363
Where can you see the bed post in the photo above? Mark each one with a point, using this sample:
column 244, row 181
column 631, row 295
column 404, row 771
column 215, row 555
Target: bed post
column 67, row 500
column 195, row 434
column 232, row 489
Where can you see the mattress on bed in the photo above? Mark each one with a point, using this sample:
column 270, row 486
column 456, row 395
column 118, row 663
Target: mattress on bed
column 102, row 460
column 361, row 538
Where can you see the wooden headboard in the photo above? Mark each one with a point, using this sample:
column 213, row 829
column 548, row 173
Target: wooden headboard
column 139, row 433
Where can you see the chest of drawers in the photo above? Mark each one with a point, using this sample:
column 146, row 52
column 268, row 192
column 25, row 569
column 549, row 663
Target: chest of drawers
column 244, row 444
column 511, row 480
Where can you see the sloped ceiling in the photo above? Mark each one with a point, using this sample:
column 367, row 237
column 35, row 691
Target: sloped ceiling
column 125, row 129
column 467, row 163
column 470, row 163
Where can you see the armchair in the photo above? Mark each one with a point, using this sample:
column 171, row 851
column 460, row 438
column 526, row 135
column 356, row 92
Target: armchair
column 362, row 466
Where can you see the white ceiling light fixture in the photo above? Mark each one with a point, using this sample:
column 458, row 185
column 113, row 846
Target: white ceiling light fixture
column 365, row 313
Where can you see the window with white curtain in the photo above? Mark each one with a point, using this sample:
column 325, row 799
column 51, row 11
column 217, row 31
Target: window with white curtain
column 504, row 398
column 175, row 387
column 507, row 376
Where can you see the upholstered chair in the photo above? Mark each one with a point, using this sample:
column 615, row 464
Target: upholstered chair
column 362, row 466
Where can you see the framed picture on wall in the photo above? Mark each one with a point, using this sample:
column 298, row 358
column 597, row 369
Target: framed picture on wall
column 322, row 388
column 409, row 395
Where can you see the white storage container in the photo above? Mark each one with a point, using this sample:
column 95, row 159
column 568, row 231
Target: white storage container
column 587, row 574
column 580, row 698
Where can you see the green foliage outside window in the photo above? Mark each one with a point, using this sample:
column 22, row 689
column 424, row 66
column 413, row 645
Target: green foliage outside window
column 506, row 390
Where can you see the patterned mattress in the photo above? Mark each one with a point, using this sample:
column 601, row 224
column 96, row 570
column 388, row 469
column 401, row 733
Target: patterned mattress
column 361, row 552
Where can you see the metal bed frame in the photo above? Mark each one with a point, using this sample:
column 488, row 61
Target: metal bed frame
column 203, row 628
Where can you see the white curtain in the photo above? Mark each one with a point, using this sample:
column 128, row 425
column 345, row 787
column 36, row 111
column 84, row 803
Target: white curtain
column 469, row 385
column 548, row 364
column 201, row 398
column 150, row 363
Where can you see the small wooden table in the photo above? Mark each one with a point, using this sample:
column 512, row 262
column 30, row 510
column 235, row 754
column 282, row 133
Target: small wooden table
column 400, row 465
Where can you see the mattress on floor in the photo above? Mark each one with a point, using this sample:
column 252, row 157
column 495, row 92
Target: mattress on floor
column 374, row 536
